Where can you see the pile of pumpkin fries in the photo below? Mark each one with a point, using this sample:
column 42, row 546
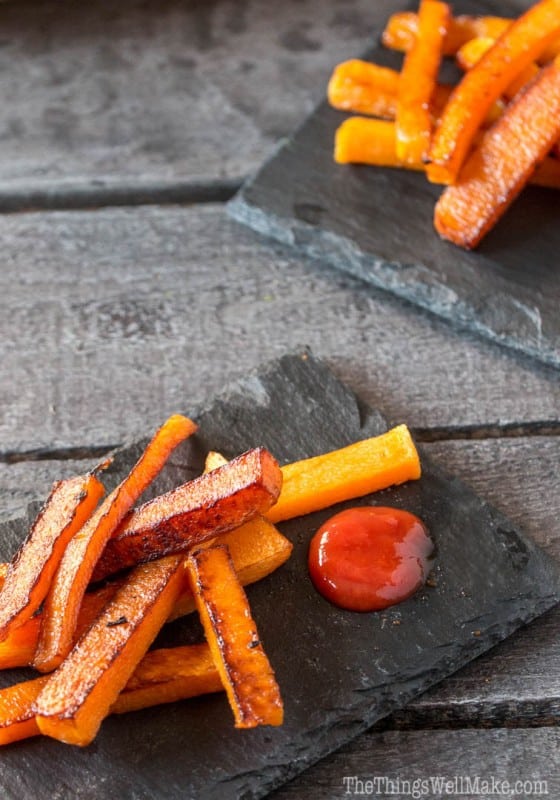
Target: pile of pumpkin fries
column 64, row 613
column 485, row 138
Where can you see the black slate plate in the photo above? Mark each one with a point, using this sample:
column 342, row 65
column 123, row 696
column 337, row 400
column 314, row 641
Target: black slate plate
column 377, row 224
column 339, row 671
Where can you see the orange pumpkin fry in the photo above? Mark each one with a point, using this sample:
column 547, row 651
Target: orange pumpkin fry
column 353, row 471
column 418, row 81
column 28, row 577
column 360, row 140
column 168, row 675
column 371, row 141
column 522, row 43
column 257, row 549
column 82, row 553
column 163, row 676
column 364, row 88
column 498, row 169
column 234, row 642
column 79, row 694
column 402, row 28
column 210, row 504
column 471, row 53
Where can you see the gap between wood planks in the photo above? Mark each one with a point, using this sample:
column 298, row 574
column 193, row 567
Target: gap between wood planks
column 450, row 433
column 81, row 196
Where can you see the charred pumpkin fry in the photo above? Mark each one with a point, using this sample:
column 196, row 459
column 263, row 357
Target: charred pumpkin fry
column 417, row 83
column 80, row 693
column 522, row 43
column 234, row 642
column 82, row 553
column 202, row 508
column 163, row 676
column 471, row 53
column 498, row 169
column 353, row 471
column 28, row 577
column 257, row 549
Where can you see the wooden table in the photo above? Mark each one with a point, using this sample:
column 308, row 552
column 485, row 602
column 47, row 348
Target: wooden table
column 127, row 293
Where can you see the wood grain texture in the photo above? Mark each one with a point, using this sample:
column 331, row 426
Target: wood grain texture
column 162, row 91
column 512, row 755
column 116, row 318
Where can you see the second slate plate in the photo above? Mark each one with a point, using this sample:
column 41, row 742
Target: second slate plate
column 377, row 225
column 339, row 671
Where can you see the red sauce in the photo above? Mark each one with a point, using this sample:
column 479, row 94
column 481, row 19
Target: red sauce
column 370, row 557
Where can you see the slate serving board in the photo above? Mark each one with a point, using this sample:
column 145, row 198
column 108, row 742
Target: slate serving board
column 377, row 225
column 339, row 671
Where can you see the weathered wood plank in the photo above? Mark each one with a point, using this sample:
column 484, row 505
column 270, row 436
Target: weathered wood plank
column 519, row 681
column 166, row 92
column 113, row 319
column 505, row 755
column 97, row 93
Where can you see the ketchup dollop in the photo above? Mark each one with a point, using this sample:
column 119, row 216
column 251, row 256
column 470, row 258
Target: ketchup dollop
column 370, row 557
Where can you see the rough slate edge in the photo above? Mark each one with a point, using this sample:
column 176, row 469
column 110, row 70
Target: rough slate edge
column 511, row 320
column 304, row 371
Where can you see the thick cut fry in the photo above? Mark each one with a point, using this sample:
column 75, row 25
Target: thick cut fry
column 257, row 549
column 418, row 81
column 79, row 695
column 357, row 89
column 471, row 53
column 360, row 140
column 82, row 553
column 356, row 470
column 163, row 676
column 28, row 578
column 168, row 675
column 364, row 88
column 212, row 503
column 402, row 28
column 522, row 43
column 372, row 141
column 232, row 635
column 498, row 169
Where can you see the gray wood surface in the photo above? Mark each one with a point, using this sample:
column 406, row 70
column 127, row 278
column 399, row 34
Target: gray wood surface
column 111, row 319
column 120, row 316
column 162, row 91
column 506, row 755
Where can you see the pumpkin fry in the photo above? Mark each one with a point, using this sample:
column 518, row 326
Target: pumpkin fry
column 353, row 471
column 82, row 553
column 79, row 694
column 418, row 81
column 513, row 52
column 232, row 635
column 364, row 88
column 257, row 548
column 163, row 676
column 167, row 675
column 360, row 140
column 402, row 28
column 471, row 53
column 210, row 504
column 498, row 169
column 28, row 577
